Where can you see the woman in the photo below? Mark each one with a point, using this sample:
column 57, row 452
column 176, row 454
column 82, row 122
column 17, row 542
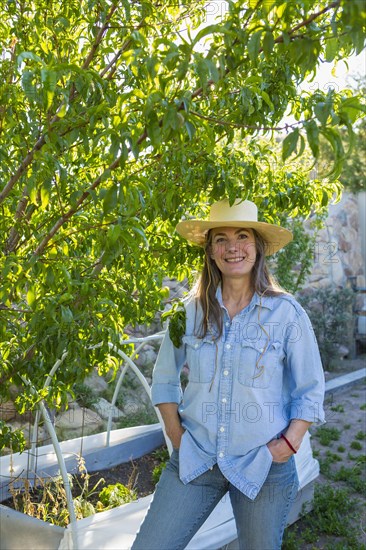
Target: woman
column 255, row 386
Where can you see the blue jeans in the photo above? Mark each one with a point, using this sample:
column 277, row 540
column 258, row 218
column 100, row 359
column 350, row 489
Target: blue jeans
column 177, row 511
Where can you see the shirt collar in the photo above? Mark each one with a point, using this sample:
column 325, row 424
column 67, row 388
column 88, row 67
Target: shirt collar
column 257, row 300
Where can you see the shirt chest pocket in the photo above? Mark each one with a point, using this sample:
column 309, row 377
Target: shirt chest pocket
column 201, row 358
column 259, row 363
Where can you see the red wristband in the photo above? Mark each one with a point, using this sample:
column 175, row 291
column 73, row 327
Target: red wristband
column 289, row 444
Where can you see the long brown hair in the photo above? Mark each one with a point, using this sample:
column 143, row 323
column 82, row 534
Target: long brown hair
column 210, row 278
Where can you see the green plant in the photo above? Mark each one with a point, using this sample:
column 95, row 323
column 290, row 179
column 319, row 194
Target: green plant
column 157, row 471
column 341, row 448
column 363, row 407
column 162, row 455
column 356, row 445
column 333, row 514
column 330, row 311
column 11, row 438
column 85, row 395
column 137, row 419
column 330, row 509
column 82, row 504
column 346, row 426
column 361, row 435
column 327, row 435
column 326, row 464
column 352, row 476
column 337, row 408
column 116, row 495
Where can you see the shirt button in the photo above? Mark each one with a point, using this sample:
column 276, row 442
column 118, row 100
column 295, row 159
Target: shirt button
column 196, row 345
column 224, row 400
column 222, row 429
column 228, row 346
column 226, row 372
column 221, row 455
column 227, row 323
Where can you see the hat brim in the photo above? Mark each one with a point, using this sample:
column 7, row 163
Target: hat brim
column 275, row 237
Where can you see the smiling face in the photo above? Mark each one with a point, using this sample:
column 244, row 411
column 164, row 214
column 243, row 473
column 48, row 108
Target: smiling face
column 233, row 250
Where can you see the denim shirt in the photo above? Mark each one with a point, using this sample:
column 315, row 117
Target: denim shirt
column 244, row 387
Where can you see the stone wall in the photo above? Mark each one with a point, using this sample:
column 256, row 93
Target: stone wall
column 338, row 247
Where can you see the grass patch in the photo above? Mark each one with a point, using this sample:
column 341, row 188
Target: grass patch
column 332, row 515
column 337, row 408
column 346, row 426
column 363, row 407
column 341, row 448
column 356, row 445
column 327, row 435
column 351, row 476
column 361, row 435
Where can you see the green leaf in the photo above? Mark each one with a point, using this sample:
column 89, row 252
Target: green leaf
column 45, row 197
column 322, row 111
column 177, row 322
column 31, row 297
column 268, row 44
column 66, row 314
column 312, row 134
column 289, row 144
column 254, row 45
column 191, row 129
column 331, row 49
column 110, row 200
column 28, row 55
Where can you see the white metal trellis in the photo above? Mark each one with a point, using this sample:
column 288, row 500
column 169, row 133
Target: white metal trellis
column 42, row 411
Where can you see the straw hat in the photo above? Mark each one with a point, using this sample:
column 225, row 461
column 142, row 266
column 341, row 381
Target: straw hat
column 240, row 214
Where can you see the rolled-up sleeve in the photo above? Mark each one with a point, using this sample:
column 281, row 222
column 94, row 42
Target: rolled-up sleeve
column 166, row 387
column 304, row 368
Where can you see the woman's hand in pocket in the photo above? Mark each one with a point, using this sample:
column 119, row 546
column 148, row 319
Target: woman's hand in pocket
column 175, row 436
column 279, row 450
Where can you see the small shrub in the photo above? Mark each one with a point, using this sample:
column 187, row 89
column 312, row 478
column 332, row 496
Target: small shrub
column 116, row 495
column 337, row 408
column 346, row 426
column 330, row 509
column 363, row 407
column 162, row 455
column 351, row 476
column 327, row 435
column 341, row 449
column 361, row 435
column 333, row 456
column 356, row 445
column 157, row 471
column 329, row 310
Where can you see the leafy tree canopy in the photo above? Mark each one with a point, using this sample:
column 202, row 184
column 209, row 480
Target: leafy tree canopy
column 116, row 119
